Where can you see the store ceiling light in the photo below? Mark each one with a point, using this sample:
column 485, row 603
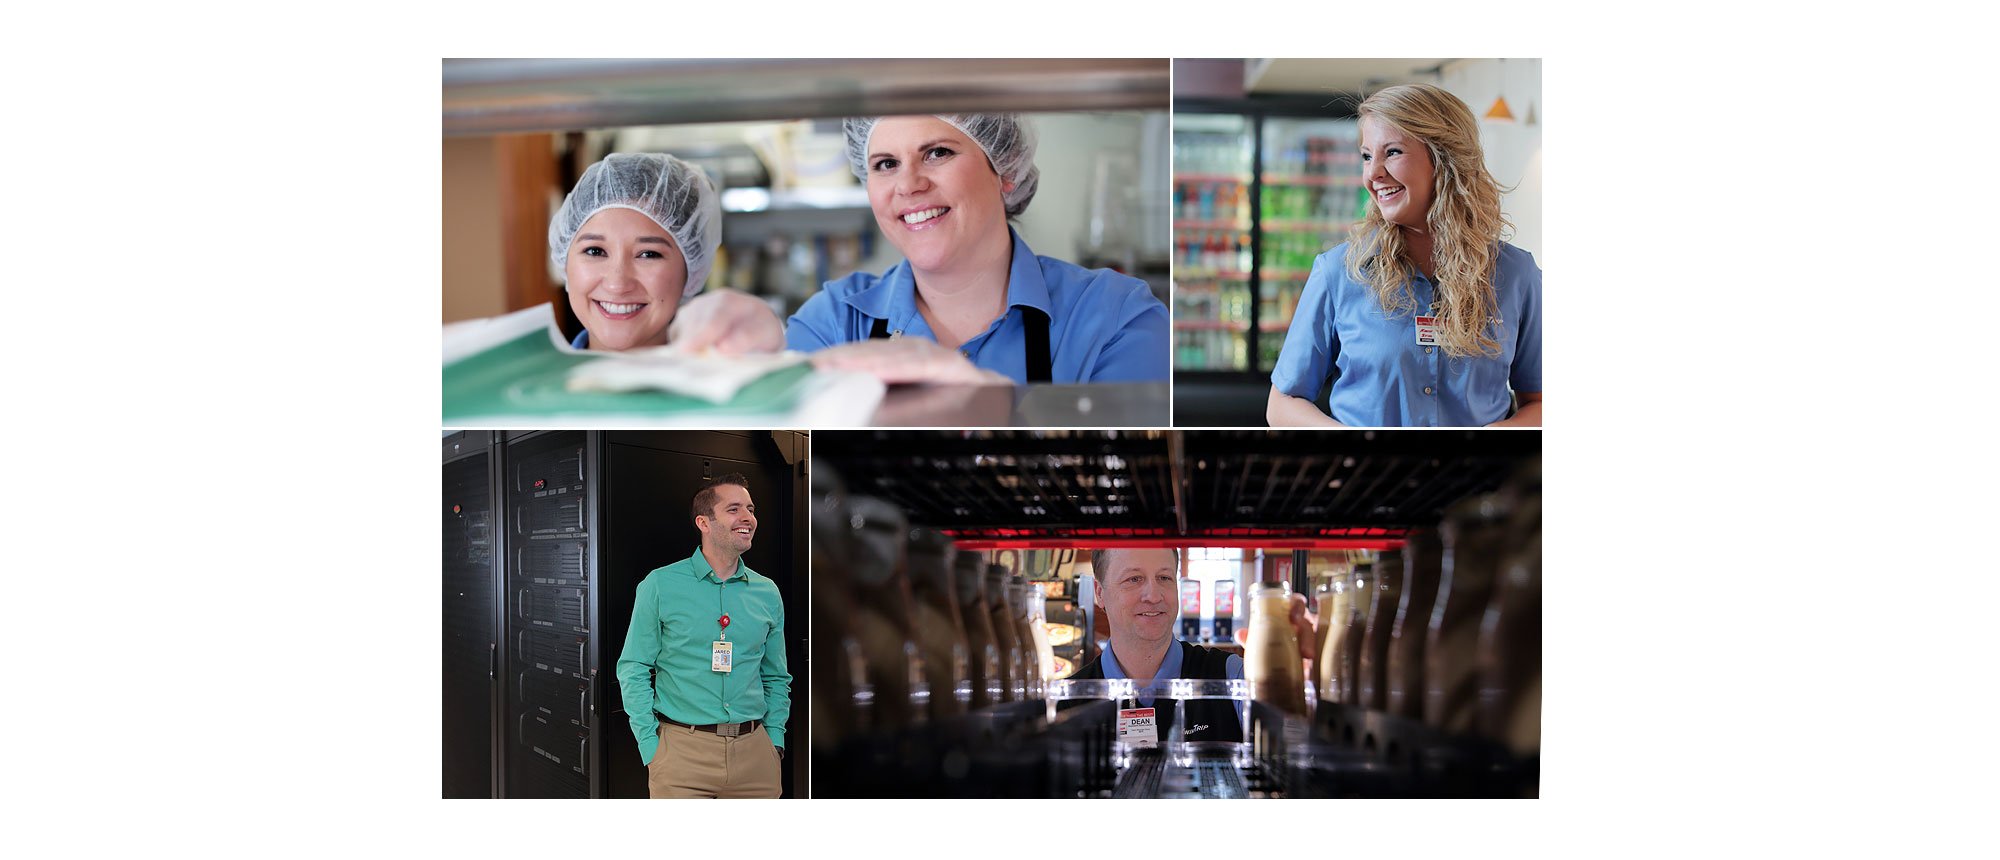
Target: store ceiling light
column 1499, row 112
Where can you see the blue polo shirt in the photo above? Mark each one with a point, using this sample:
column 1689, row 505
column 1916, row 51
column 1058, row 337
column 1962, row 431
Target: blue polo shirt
column 1103, row 326
column 1170, row 668
column 1382, row 377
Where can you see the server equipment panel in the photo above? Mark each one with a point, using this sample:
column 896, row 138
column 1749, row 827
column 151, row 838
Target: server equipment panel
column 471, row 622
column 549, row 581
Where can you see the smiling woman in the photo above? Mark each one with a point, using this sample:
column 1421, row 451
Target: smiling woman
column 1426, row 318
column 634, row 238
column 971, row 302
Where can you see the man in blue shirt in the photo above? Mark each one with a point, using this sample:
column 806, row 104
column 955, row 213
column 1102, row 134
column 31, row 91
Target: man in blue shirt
column 703, row 672
column 1139, row 593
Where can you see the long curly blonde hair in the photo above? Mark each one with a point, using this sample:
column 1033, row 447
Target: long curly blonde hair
column 1464, row 220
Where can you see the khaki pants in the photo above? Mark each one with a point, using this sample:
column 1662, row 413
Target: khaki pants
column 692, row 763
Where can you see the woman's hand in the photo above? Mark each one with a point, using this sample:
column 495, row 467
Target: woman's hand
column 1527, row 414
column 1284, row 410
column 728, row 321
column 906, row 359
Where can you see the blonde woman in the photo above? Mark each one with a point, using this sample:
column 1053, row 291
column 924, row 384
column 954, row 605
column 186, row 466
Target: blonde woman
column 1426, row 318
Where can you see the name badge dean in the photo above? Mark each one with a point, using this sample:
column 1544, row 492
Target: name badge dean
column 1427, row 331
column 718, row 658
column 1135, row 727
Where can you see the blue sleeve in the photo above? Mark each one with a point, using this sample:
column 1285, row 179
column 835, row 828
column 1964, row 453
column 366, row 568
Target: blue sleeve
column 1138, row 352
column 816, row 326
column 1235, row 667
column 635, row 664
column 1526, row 375
column 1306, row 361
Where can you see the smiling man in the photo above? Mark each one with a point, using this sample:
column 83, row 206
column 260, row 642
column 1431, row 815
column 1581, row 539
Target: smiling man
column 1139, row 591
column 703, row 671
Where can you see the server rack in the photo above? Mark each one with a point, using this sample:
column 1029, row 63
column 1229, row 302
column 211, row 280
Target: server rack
column 582, row 517
column 471, row 694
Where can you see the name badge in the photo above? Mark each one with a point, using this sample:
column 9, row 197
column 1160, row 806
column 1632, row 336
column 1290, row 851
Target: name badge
column 1427, row 331
column 1135, row 727
column 718, row 658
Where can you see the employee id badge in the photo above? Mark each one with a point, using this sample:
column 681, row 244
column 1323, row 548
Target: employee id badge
column 1135, row 728
column 719, row 656
column 1427, row 331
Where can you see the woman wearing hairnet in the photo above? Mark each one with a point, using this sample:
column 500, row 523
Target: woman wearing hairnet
column 970, row 301
column 1427, row 318
column 635, row 240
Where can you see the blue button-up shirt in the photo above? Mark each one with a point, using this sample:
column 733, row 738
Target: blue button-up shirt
column 1382, row 377
column 1103, row 326
column 1170, row 668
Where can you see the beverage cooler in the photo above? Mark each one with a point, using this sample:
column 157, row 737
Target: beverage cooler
column 546, row 537
column 1261, row 187
column 1419, row 551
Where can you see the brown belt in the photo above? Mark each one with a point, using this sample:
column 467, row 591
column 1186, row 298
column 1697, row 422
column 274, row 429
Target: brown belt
column 727, row 730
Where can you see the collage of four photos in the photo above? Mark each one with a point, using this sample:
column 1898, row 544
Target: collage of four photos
column 1026, row 428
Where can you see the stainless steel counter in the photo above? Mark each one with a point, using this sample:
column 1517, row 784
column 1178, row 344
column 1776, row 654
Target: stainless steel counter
column 1105, row 404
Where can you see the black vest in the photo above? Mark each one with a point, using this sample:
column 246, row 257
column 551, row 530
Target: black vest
column 1207, row 719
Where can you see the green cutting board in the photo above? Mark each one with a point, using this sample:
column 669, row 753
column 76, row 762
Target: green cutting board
column 525, row 378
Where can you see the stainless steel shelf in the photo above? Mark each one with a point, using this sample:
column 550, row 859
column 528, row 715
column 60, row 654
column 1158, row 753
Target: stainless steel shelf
column 519, row 96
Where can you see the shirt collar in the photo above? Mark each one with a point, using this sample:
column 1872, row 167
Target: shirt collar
column 704, row 570
column 893, row 297
column 1169, row 668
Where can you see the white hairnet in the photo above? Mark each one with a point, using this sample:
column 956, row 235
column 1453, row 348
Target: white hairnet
column 673, row 193
column 1006, row 139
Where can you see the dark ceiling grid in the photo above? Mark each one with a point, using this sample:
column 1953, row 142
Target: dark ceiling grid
column 1015, row 483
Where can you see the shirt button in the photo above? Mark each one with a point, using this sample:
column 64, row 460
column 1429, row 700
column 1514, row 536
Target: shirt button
column 1427, row 350
column 1427, row 389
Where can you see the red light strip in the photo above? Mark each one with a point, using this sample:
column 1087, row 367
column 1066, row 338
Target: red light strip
column 1220, row 542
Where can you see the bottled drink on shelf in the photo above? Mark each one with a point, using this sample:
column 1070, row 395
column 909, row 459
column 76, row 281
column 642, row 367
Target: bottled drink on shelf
column 1334, row 599
column 1475, row 537
column 1006, row 634
column 939, row 630
column 881, row 620
column 1383, row 595
column 1271, row 656
column 982, row 644
column 1423, row 558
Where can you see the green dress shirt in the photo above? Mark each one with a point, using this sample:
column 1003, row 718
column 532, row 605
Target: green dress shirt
column 675, row 621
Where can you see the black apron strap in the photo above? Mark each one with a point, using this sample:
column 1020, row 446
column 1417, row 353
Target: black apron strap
column 1037, row 324
column 1037, row 330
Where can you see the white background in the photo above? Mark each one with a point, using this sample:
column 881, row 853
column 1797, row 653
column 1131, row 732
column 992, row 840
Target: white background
column 1769, row 599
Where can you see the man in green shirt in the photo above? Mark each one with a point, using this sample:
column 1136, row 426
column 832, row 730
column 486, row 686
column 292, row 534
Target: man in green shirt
column 703, row 671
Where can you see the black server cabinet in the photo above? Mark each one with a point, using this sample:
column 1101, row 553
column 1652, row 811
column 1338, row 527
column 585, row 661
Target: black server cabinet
column 550, row 730
column 471, row 615
column 587, row 516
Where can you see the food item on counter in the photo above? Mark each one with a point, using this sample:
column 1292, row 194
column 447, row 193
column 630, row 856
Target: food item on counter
column 1271, row 655
column 1383, row 595
column 1423, row 559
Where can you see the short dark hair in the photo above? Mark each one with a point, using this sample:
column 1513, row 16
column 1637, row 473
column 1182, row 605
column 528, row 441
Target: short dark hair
column 704, row 501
